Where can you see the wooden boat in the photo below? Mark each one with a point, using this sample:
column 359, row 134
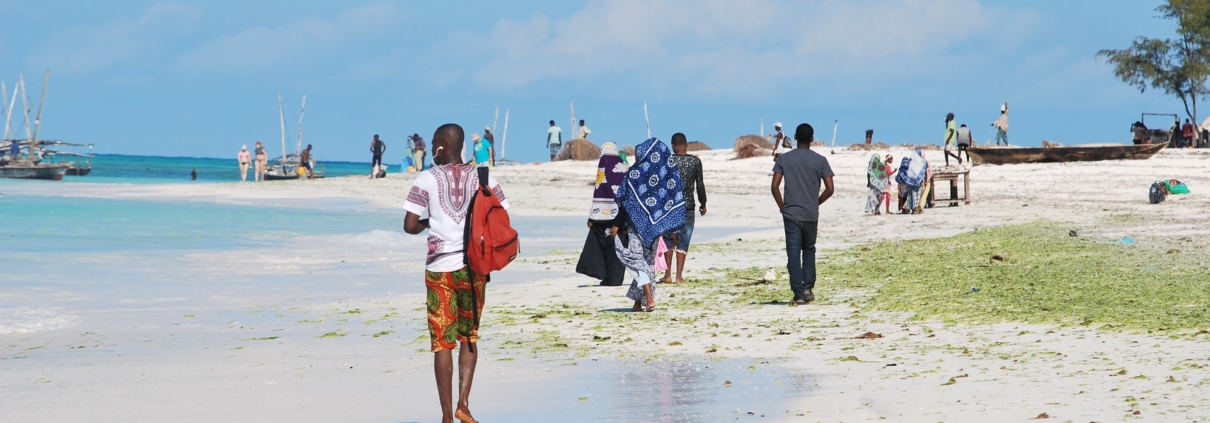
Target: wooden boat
column 1014, row 155
column 27, row 170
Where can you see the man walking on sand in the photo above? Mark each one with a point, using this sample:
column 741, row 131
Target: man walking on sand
column 951, row 136
column 1001, row 125
column 804, row 171
column 690, row 169
column 781, row 143
column 439, row 201
column 554, row 140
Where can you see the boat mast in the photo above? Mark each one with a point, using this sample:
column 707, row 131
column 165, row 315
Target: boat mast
column 4, row 105
column 8, row 115
column 38, row 118
column 282, row 115
column 25, row 107
column 303, row 110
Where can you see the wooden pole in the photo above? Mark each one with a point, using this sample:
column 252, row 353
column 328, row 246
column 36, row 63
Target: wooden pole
column 762, row 127
column 648, row 118
column 495, row 119
column 574, row 130
column 835, row 125
column 504, row 136
column 38, row 118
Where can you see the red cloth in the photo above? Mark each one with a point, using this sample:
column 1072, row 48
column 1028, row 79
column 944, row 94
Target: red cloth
column 1187, row 130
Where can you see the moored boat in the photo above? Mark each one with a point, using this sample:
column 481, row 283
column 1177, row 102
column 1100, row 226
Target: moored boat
column 27, row 170
column 1089, row 153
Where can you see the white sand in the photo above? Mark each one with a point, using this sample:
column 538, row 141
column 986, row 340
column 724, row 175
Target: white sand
column 153, row 364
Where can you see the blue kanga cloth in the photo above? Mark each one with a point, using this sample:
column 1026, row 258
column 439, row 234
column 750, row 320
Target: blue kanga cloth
column 652, row 193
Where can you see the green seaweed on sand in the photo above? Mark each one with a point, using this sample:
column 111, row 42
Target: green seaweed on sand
column 383, row 333
column 1033, row 273
column 266, row 338
column 336, row 334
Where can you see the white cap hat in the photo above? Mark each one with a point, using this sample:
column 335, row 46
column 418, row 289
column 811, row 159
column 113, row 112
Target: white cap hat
column 474, row 137
column 487, row 128
column 777, row 125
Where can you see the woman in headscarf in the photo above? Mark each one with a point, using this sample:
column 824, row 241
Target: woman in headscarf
column 598, row 258
column 912, row 175
column 652, row 202
column 877, row 181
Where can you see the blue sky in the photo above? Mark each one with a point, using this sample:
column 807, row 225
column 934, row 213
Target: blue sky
column 202, row 78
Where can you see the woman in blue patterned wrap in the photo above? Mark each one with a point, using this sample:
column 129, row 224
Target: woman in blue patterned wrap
column 652, row 202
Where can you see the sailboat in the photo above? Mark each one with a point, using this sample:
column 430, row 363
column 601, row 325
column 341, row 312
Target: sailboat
column 287, row 167
column 23, row 159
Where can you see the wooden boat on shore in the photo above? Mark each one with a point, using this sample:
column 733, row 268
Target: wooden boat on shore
column 1090, row 153
column 27, row 170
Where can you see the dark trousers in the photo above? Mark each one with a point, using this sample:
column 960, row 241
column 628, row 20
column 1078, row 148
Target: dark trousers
column 800, row 251
column 377, row 160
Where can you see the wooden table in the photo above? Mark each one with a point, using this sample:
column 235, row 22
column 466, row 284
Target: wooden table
column 953, row 175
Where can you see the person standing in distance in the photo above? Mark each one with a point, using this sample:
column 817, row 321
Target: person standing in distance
column 1001, row 125
column 439, row 201
column 803, row 171
column 584, row 131
column 781, row 143
column 491, row 143
column 554, row 140
column 377, row 147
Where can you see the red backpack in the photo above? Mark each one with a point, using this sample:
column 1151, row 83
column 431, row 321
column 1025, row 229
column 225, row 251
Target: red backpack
column 491, row 243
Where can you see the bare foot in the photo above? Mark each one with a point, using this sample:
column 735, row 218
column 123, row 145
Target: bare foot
column 637, row 307
column 463, row 415
column 679, row 281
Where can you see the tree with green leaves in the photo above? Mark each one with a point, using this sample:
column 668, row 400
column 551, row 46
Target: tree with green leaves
column 1180, row 66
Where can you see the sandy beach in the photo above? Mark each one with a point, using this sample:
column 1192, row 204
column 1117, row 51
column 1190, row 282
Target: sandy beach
column 558, row 346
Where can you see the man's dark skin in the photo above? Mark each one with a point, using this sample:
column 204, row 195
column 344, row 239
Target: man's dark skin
column 776, row 188
column 447, row 149
column 304, row 159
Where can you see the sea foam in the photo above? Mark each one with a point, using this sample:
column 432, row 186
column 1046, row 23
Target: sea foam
column 27, row 320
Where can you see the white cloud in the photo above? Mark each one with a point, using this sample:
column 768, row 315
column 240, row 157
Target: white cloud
column 730, row 48
column 300, row 42
column 121, row 42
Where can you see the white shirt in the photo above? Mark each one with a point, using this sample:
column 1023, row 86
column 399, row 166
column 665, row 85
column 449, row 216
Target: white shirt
column 552, row 135
column 584, row 132
column 442, row 194
column 778, row 147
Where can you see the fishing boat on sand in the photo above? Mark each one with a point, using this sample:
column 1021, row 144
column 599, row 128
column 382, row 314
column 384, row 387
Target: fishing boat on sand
column 287, row 167
column 1062, row 154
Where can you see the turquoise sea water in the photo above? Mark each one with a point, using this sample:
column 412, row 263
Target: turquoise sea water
column 145, row 169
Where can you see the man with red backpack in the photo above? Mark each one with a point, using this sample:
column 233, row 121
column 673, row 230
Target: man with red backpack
column 440, row 200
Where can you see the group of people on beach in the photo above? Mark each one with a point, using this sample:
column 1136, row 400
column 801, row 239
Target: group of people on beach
column 642, row 217
column 636, row 207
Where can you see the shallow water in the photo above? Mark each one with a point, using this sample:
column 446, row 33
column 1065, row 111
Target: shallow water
column 669, row 390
